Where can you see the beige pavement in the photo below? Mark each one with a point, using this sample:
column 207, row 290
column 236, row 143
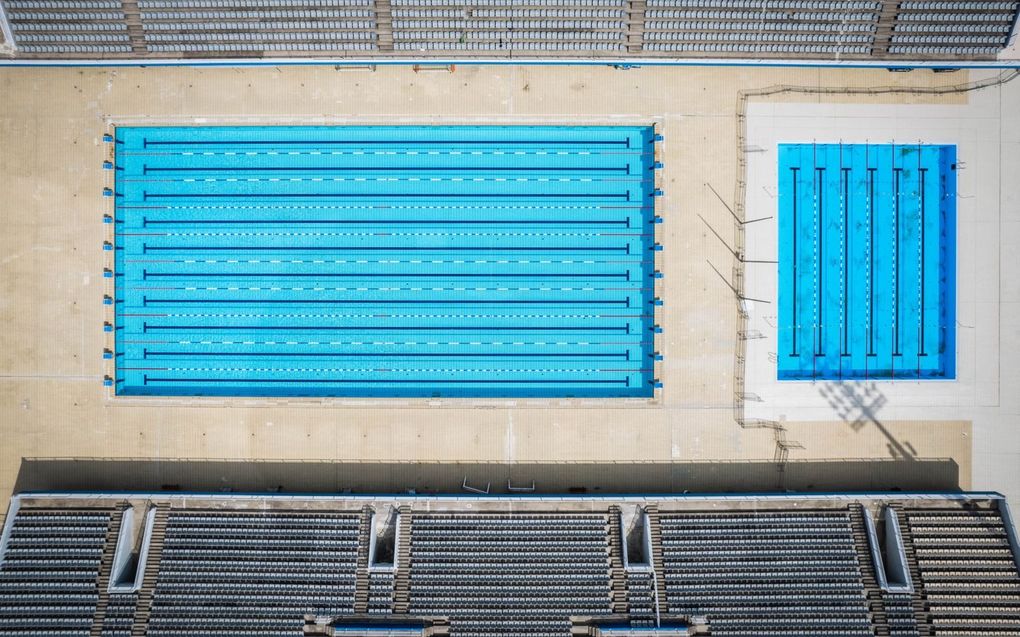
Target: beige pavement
column 52, row 403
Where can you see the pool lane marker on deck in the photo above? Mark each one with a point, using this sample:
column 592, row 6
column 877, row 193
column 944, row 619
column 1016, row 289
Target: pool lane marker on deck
column 193, row 220
column 109, row 352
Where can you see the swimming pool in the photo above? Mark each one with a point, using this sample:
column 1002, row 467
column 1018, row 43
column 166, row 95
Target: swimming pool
column 498, row 261
column 867, row 237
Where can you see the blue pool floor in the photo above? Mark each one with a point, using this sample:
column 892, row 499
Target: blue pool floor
column 385, row 261
column 866, row 261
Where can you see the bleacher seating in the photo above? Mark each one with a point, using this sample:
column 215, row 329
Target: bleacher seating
column 49, row 572
column 263, row 571
column 120, row 614
column 186, row 26
column 380, row 593
column 899, row 613
column 231, row 570
column 507, row 25
column 86, row 27
column 792, row 573
column 502, row 574
column 746, row 26
column 641, row 597
column 967, row 570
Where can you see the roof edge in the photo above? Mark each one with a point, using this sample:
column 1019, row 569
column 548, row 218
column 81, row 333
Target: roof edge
column 566, row 497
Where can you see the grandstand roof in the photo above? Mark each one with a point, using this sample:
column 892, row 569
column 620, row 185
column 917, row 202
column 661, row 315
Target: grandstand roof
column 218, row 564
column 511, row 29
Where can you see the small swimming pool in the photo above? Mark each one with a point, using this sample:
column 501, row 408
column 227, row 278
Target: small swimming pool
column 867, row 237
column 493, row 261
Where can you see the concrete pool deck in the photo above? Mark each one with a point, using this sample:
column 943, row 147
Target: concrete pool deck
column 986, row 215
column 53, row 405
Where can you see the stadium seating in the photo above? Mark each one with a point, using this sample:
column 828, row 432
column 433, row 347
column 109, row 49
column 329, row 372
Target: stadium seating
column 745, row 26
column 221, row 570
column 528, row 572
column 793, row 573
column 967, row 570
column 380, row 593
column 86, row 27
column 120, row 614
column 49, row 572
column 899, row 612
column 228, row 569
column 243, row 25
column 500, row 28
column 641, row 597
column 509, row 25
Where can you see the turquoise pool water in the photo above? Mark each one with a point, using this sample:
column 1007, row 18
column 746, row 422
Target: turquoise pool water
column 494, row 261
column 867, row 238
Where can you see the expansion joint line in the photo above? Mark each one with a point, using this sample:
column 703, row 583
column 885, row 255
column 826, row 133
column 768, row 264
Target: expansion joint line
column 740, row 217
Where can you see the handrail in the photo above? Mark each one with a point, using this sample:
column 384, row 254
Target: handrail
column 655, row 596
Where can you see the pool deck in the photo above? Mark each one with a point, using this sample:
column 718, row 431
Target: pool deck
column 53, row 405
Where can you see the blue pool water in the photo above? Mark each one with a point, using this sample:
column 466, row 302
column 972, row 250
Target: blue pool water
column 385, row 261
column 867, row 237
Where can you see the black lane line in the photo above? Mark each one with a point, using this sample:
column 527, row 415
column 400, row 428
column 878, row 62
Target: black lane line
column 924, row 172
column 377, row 302
column 501, row 144
column 187, row 354
column 377, row 328
column 384, row 381
column 386, row 195
column 148, row 248
column 846, row 262
column 146, row 169
column 896, row 264
column 871, row 261
column 366, row 275
column 439, row 222
column 369, row 205
column 408, row 153
column 795, row 274
column 820, row 196
column 247, row 289
column 384, row 316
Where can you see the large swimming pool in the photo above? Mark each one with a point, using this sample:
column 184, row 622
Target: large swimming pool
column 867, row 237
column 385, row 261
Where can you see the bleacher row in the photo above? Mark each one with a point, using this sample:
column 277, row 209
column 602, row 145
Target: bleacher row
column 968, row 571
column 49, row 572
column 788, row 572
column 806, row 28
column 509, row 574
column 771, row 570
column 265, row 569
column 641, row 597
